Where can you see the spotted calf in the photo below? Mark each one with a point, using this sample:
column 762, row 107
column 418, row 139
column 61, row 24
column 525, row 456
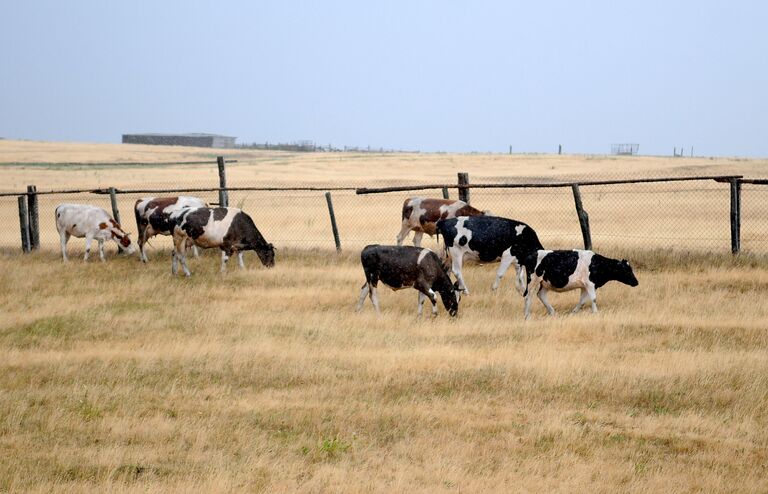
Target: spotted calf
column 564, row 270
column 405, row 267
column 91, row 222
column 420, row 215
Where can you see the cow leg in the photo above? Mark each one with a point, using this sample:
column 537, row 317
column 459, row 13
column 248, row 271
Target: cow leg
column 64, row 236
column 363, row 293
column 456, row 262
column 417, row 238
column 543, row 297
column 404, row 230
column 195, row 251
column 375, row 298
column 240, row 260
column 420, row 305
column 528, row 301
column 174, row 262
column 88, row 240
column 142, row 242
column 582, row 300
column 101, row 249
column 506, row 260
column 224, row 259
column 592, row 294
column 180, row 253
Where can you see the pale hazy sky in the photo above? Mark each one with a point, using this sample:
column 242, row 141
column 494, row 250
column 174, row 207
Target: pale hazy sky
column 426, row 75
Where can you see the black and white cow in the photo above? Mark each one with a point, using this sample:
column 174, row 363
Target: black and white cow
column 229, row 229
column 91, row 222
column 487, row 239
column 420, row 215
column 153, row 217
column 401, row 267
column 564, row 270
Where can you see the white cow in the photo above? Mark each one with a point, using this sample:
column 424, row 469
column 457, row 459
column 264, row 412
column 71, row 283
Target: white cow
column 91, row 222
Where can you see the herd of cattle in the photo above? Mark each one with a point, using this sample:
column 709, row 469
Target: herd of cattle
column 467, row 233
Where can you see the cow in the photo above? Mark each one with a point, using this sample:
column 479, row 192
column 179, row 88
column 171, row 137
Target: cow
column 402, row 267
column 153, row 217
column 564, row 270
column 229, row 229
column 486, row 239
column 91, row 222
column 421, row 214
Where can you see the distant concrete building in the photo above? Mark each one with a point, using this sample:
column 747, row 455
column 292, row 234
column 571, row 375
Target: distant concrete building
column 196, row 140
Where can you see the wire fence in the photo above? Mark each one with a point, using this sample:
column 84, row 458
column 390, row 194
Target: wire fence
column 681, row 215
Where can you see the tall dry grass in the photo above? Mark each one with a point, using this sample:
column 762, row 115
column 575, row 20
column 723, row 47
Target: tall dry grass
column 119, row 377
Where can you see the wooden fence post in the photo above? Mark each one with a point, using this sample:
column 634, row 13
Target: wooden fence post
column 24, row 224
column 34, row 217
column 113, row 200
column 445, row 193
column 463, row 192
column 223, row 195
column 334, row 227
column 583, row 217
column 735, row 215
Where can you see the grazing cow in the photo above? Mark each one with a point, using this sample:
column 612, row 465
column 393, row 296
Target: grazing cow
column 229, row 229
column 91, row 222
column 420, row 215
column 487, row 239
column 153, row 217
column 563, row 270
column 402, row 267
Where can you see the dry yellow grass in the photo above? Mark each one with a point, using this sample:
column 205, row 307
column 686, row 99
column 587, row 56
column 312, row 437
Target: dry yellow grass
column 119, row 377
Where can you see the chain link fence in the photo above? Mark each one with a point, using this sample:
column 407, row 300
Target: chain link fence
column 685, row 216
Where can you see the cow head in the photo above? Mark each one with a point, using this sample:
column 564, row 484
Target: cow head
column 267, row 255
column 451, row 299
column 625, row 274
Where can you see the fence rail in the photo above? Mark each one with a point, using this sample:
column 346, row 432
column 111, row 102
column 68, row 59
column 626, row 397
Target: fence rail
column 654, row 212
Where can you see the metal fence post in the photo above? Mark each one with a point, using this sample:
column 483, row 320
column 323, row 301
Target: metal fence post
column 735, row 215
column 334, row 227
column 445, row 193
column 24, row 225
column 34, row 217
column 464, row 192
column 223, row 195
column 113, row 200
column 583, row 217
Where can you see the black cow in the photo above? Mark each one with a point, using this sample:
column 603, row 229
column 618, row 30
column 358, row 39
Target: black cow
column 487, row 239
column 229, row 229
column 563, row 270
column 403, row 267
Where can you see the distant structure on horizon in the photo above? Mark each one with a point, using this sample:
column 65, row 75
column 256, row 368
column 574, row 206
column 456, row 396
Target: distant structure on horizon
column 625, row 149
column 195, row 140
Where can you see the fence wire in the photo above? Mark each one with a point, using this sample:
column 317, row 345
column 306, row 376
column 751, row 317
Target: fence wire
column 686, row 216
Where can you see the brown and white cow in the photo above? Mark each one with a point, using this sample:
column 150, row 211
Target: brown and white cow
column 420, row 215
column 91, row 222
column 229, row 229
column 153, row 217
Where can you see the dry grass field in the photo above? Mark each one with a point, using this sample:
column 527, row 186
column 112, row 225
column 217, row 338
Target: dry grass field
column 118, row 377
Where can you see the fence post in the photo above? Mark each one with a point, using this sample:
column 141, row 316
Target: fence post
column 463, row 192
column 583, row 217
column 34, row 217
column 445, row 193
column 334, row 227
column 223, row 195
column 24, row 224
column 735, row 215
column 113, row 200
